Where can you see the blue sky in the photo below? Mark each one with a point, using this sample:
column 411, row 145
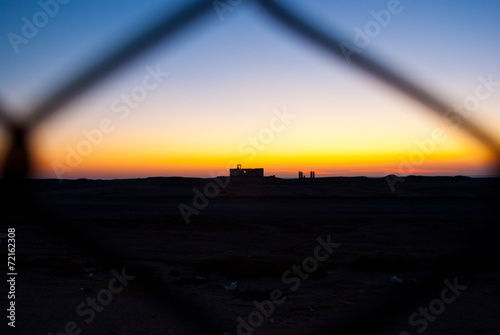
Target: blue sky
column 226, row 76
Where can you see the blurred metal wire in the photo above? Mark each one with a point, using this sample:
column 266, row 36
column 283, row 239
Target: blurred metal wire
column 332, row 44
column 16, row 165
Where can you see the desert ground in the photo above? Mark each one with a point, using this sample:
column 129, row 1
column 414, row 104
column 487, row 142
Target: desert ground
column 309, row 256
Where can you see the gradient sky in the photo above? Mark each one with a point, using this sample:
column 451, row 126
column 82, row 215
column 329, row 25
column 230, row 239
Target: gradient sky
column 228, row 78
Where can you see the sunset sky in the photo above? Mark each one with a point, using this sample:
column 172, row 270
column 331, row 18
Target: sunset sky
column 242, row 89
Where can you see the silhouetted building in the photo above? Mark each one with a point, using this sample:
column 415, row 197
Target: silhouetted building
column 312, row 174
column 239, row 172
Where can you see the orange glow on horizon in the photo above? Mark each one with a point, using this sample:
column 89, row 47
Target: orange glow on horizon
column 143, row 163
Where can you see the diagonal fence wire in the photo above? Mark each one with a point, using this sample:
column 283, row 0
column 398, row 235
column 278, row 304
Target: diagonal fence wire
column 16, row 165
column 332, row 44
column 162, row 30
column 4, row 119
column 393, row 304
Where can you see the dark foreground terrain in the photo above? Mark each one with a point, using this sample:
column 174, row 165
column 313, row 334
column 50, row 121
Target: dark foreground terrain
column 325, row 256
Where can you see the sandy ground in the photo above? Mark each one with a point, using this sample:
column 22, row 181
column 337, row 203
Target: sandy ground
column 324, row 249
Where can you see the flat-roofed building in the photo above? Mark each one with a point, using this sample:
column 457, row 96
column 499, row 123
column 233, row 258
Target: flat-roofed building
column 239, row 172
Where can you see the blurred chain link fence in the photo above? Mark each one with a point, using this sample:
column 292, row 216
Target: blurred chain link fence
column 19, row 206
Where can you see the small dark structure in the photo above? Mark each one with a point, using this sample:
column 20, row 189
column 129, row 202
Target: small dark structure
column 312, row 175
column 239, row 172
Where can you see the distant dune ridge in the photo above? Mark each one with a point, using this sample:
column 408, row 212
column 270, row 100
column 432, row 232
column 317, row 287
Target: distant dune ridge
column 412, row 186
